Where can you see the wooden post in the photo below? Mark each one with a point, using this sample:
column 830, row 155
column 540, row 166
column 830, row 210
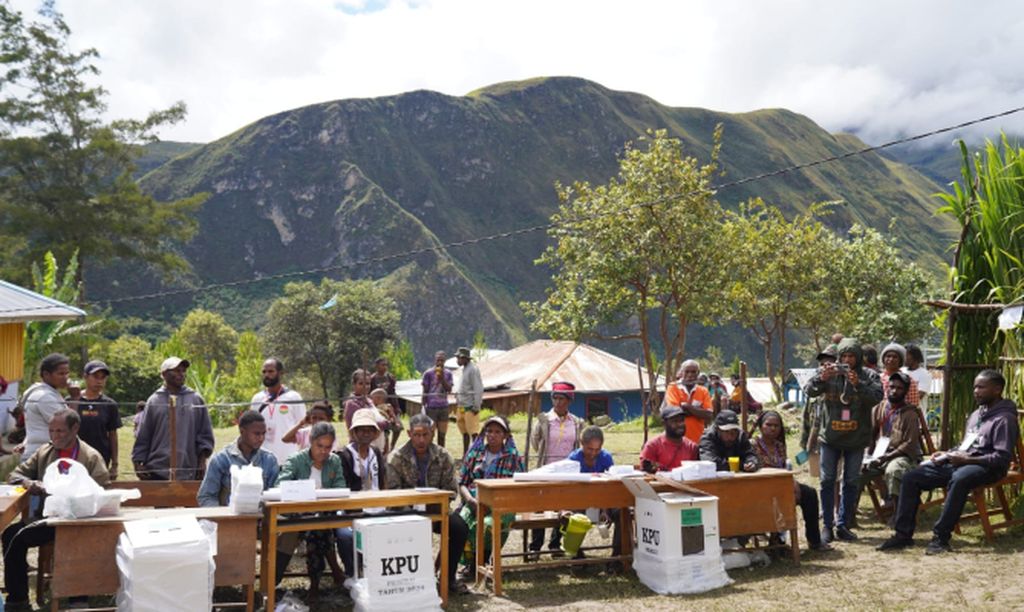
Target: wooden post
column 529, row 422
column 947, row 381
column 743, row 396
column 172, row 405
column 643, row 400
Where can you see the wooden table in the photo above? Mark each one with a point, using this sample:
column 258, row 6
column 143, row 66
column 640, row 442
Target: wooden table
column 274, row 524
column 504, row 495
column 84, row 559
column 12, row 508
column 752, row 503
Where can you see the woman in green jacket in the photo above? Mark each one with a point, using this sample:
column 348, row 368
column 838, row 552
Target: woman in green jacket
column 323, row 467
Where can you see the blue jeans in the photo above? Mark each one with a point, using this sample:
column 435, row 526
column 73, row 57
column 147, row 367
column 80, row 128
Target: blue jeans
column 960, row 481
column 852, row 460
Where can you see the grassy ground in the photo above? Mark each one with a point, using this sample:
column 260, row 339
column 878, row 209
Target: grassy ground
column 854, row 576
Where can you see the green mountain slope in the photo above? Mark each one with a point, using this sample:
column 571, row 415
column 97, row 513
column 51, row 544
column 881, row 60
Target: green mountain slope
column 429, row 167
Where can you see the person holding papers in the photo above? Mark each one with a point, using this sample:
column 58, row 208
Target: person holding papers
column 319, row 464
column 896, row 446
column 982, row 458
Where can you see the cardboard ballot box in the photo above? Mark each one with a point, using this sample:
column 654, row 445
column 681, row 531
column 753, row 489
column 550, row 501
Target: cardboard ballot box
column 397, row 564
column 678, row 547
column 166, row 564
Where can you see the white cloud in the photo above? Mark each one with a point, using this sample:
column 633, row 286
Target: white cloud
column 881, row 68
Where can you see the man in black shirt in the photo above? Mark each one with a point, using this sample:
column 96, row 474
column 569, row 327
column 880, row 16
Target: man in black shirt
column 100, row 418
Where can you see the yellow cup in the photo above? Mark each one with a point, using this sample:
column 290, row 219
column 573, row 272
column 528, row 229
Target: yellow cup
column 734, row 464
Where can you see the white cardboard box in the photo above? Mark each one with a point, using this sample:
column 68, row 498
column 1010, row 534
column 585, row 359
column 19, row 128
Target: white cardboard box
column 165, row 564
column 397, row 570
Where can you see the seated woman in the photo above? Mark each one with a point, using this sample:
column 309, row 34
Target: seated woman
column 364, row 469
column 319, row 464
column 770, row 448
column 492, row 455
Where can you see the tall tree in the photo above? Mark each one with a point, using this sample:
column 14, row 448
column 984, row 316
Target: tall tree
column 640, row 257
column 775, row 280
column 329, row 330
column 205, row 336
column 66, row 173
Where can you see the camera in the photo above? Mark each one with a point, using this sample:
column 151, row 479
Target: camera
column 843, row 368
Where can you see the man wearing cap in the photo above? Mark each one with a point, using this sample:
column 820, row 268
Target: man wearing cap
column 726, row 439
column 18, row 538
column 42, row 400
column 281, row 407
column 555, row 435
column 194, row 432
column 245, row 450
column 671, row 448
column 690, row 397
column 470, row 398
column 100, row 417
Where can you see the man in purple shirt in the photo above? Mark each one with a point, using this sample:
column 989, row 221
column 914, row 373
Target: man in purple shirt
column 982, row 458
column 437, row 384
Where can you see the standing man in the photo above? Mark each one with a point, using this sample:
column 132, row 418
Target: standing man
column 555, row 435
column 281, row 407
column 437, row 384
column 916, row 369
column 43, row 399
column 470, row 398
column 693, row 399
column 850, row 391
column 19, row 537
column 100, row 417
column 194, row 432
column 982, row 458
column 893, row 358
column 245, row 450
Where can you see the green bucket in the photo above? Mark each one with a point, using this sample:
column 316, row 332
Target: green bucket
column 573, row 533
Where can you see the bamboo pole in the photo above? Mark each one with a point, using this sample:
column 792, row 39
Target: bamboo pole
column 743, row 396
column 529, row 421
column 172, row 407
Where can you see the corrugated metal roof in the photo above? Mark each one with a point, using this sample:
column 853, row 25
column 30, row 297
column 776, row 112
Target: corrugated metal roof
column 18, row 305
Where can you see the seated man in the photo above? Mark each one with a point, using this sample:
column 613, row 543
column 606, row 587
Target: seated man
column 671, row 448
column 245, row 450
column 724, row 440
column 896, row 424
column 17, row 538
column 982, row 458
column 421, row 463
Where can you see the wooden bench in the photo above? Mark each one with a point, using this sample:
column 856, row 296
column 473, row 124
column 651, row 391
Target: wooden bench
column 527, row 522
column 161, row 493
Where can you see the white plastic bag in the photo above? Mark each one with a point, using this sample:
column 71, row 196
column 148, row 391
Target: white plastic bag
column 246, row 489
column 72, row 493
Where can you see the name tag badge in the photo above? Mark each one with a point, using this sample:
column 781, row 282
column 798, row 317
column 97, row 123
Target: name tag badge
column 845, row 415
column 969, row 440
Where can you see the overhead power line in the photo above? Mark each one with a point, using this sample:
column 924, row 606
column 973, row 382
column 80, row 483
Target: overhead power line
column 539, row 227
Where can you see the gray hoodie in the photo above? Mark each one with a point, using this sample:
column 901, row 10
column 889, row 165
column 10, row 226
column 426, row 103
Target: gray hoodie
column 998, row 431
column 194, row 434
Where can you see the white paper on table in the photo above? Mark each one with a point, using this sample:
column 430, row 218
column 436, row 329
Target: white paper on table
column 881, row 446
column 1009, row 318
column 968, row 440
column 298, row 490
column 552, row 477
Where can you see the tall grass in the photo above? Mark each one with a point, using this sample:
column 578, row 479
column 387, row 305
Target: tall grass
column 989, row 204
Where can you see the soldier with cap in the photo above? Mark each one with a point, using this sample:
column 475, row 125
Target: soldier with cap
column 470, row 398
column 100, row 418
column 194, row 431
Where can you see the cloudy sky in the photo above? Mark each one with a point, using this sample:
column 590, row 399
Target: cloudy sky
column 882, row 69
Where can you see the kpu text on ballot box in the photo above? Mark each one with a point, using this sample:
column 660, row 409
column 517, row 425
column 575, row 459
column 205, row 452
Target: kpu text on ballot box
column 396, row 564
column 678, row 546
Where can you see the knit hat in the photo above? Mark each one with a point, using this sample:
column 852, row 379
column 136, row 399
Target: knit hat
column 565, row 389
column 898, row 348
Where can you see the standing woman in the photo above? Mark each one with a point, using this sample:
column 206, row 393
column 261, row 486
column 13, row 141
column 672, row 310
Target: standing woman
column 319, row 464
column 770, row 448
column 360, row 397
column 492, row 455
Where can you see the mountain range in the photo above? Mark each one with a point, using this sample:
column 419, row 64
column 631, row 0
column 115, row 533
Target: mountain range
column 353, row 184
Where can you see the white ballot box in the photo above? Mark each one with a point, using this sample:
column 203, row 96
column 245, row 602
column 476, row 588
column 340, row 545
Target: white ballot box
column 166, row 564
column 396, row 564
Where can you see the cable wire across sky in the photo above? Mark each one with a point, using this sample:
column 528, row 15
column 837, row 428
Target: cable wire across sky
column 441, row 247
